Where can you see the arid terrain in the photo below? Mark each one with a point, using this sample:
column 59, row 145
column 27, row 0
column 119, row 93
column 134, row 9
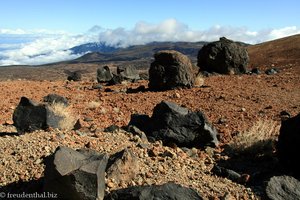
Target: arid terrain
column 232, row 103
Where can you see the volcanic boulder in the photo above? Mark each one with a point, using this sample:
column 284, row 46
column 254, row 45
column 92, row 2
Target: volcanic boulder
column 177, row 125
column 122, row 166
column 289, row 143
column 74, row 76
column 224, row 57
column 170, row 191
column 128, row 73
column 75, row 174
column 103, row 74
column 170, row 70
column 29, row 116
column 55, row 98
column 283, row 187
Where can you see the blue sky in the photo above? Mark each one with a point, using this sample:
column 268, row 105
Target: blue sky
column 78, row 16
column 41, row 31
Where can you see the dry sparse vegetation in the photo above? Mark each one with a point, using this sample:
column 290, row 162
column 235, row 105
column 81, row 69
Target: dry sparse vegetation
column 64, row 118
column 257, row 140
column 199, row 80
column 93, row 105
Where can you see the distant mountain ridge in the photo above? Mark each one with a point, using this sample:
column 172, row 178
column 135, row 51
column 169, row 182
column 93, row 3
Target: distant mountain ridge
column 100, row 52
column 93, row 47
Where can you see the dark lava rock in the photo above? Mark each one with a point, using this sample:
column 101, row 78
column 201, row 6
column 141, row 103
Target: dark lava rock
column 289, row 143
column 122, row 166
column 74, row 76
column 177, row 125
column 224, row 57
column 226, row 173
column 75, row 174
column 283, row 188
column 29, row 116
column 103, row 74
column 128, row 73
column 55, row 98
column 255, row 71
column 167, row 191
column 170, row 70
column 271, row 71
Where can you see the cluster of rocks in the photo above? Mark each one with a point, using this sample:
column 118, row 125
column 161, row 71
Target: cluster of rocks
column 80, row 174
column 170, row 123
column 171, row 69
column 128, row 73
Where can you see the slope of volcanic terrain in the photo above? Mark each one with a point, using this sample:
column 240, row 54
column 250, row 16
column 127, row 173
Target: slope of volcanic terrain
column 232, row 103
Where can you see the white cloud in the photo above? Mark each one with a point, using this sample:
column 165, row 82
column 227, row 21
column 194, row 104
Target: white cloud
column 41, row 46
column 43, row 49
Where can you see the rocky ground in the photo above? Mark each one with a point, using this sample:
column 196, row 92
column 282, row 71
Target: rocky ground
column 232, row 104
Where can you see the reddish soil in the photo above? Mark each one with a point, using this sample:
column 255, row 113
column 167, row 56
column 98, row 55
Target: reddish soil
column 239, row 100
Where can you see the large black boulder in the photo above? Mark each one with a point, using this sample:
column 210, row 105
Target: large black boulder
column 167, row 191
column 224, row 56
column 174, row 124
column 75, row 174
column 103, row 74
column 289, row 143
column 283, row 187
column 170, row 70
column 29, row 116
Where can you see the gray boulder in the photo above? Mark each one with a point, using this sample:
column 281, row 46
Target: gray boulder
column 75, row 174
column 55, row 98
column 122, row 166
column 174, row 124
column 289, row 143
column 224, row 57
column 170, row 70
column 283, row 187
column 29, row 116
column 75, row 76
column 128, row 73
column 167, row 191
column 104, row 74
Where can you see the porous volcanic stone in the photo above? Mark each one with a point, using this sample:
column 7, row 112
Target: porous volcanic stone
column 76, row 174
column 224, row 57
column 103, row 74
column 170, row 70
column 289, row 143
column 283, row 187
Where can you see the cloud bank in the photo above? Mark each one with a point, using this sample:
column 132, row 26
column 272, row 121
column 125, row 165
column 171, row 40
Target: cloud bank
column 34, row 47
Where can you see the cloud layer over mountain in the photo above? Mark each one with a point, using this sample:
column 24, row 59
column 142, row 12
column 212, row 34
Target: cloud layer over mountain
column 33, row 47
